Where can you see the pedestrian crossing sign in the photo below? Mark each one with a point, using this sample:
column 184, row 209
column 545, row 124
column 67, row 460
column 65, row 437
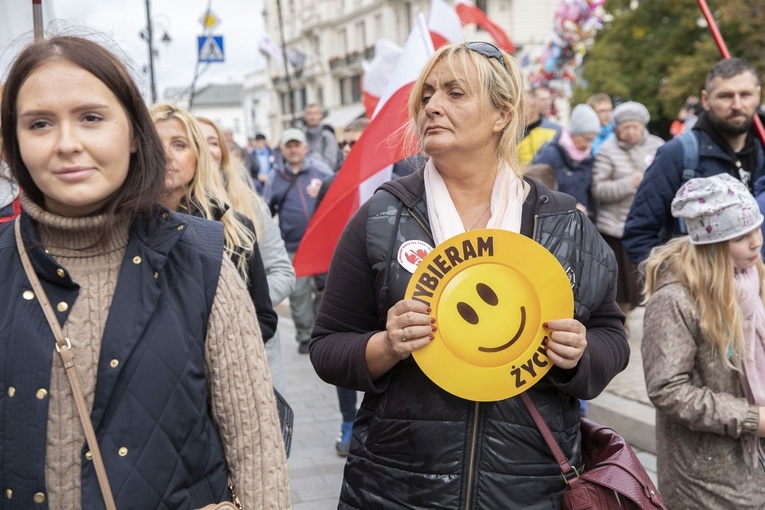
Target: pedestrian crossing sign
column 210, row 48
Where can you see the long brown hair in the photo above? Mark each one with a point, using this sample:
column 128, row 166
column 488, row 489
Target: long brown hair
column 144, row 184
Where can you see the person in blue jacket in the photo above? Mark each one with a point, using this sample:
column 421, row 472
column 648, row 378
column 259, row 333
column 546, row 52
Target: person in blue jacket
column 571, row 156
column 722, row 141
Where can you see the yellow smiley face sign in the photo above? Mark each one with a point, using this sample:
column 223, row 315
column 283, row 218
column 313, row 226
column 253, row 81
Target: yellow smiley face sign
column 490, row 291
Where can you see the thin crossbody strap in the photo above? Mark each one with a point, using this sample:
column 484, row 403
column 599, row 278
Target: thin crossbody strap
column 64, row 348
column 565, row 467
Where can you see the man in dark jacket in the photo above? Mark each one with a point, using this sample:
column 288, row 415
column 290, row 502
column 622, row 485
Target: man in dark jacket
column 291, row 193
column 724, row 141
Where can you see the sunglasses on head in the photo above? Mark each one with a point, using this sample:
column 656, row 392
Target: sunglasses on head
column 344, row 143
column 488, row 50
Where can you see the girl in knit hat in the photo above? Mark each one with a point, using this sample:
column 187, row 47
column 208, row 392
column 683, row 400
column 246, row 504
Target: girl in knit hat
column 704, row 349
column 571, row 156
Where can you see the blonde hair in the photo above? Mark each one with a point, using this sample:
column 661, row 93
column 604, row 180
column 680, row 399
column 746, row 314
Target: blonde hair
column 503, row 87
column 244, row 199
column 206, row 191
column 707, row 272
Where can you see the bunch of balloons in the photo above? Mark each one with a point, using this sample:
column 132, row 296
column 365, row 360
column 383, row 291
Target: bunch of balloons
column 575, row 23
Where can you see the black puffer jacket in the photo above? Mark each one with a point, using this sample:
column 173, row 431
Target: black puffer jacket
column 416, row 446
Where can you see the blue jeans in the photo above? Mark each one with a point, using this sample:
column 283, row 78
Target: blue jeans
column 347, row 400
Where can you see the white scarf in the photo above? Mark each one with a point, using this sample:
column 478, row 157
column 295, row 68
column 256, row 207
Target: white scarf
column 506, row 203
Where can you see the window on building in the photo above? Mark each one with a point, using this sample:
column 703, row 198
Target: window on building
column 350, row 89
column 299, row 97
column 285, row 103
column 342, row 41
column 361, row 36
column 378, row 26
column 481, row 4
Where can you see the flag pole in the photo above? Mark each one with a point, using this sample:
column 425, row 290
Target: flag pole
column 37, row 19
column 717, row 36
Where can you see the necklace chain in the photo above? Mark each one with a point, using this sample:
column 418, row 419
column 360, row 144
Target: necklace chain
column 480, row 217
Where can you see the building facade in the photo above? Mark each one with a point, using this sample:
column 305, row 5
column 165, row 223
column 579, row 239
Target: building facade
column 326, row 41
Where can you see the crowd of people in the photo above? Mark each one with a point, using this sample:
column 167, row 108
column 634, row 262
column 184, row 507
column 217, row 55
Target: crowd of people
column 165, row 247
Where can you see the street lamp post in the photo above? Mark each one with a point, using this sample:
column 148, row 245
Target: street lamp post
column 148, row 36
column 150, row 40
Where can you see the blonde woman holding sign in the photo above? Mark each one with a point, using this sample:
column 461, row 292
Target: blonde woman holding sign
column 414, row 444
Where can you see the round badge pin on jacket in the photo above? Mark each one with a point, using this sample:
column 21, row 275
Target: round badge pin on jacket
column 490, row 291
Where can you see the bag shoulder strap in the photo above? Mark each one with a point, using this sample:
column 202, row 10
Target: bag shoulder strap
column 565, row 467
column 64, row 348
column 690, row 143
column 278, row 206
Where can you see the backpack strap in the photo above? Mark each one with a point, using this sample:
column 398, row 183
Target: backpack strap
column 690, row 144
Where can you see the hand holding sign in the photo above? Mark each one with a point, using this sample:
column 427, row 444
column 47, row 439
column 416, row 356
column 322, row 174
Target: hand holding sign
column 409, row 327
column 566, row 342
column 503, row 305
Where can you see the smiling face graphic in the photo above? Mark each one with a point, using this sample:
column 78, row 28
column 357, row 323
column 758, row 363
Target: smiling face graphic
column 490, row 292
column 488, row 315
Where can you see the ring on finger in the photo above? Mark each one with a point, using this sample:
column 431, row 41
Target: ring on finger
column 403, row 336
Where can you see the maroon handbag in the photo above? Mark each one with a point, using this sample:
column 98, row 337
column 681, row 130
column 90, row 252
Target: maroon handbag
column 613, row 477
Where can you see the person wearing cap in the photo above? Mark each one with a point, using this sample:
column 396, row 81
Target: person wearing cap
column 722, row 141
column 704, row 349
column 571, row 156
column 415, row 444
column 617, row 173
column 291, row 192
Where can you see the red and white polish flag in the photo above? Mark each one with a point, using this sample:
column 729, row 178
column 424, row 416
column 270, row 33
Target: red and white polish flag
column 369, row 163
column 378, row 72
column 469, row 13
column 444, row 24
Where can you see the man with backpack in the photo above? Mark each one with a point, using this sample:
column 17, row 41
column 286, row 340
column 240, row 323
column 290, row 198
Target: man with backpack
column 321, row 138
column 722, row 141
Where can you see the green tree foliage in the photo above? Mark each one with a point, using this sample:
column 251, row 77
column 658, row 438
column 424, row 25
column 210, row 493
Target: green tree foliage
column 659, row 53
